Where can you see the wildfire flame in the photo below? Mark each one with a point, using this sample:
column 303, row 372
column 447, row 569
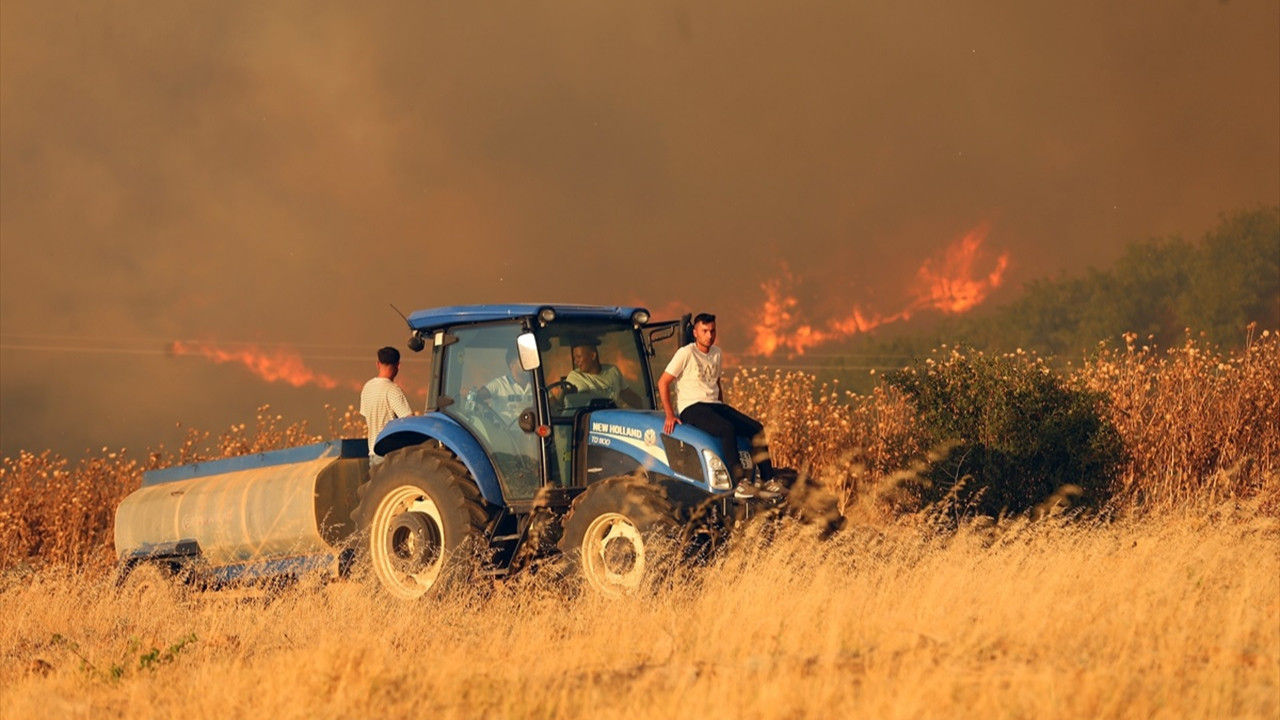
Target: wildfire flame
column 947, row 285
column 952, row 288
column 275, row 365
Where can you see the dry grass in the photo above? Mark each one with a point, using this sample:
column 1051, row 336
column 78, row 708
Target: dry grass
column 1172, row 619
column 1171, row 609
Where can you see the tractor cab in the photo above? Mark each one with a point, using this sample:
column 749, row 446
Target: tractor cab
column 525, row 380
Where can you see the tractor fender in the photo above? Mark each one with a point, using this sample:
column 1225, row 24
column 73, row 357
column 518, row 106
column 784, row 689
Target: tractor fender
column 417, row 429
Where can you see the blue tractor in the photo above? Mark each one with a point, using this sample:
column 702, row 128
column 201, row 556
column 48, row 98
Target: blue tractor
column 552, row 466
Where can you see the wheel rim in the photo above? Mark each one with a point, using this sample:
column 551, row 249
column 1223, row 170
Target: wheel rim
column 407, row 542
column 613, row 555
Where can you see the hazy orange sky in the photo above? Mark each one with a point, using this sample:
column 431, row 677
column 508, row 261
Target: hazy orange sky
column 279, row 173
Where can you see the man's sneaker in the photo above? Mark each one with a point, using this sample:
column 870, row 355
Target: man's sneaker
column 771, row 490
column 745, row 490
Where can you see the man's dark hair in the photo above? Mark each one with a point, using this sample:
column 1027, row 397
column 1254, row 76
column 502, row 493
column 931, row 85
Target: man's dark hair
column 703, row 318
column 389, row 356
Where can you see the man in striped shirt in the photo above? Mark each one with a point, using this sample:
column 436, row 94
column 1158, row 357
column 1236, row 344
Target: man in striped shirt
column 382, row 400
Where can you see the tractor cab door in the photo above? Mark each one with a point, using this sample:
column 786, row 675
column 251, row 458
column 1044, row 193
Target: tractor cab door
column 489, row 391
column 661, row 340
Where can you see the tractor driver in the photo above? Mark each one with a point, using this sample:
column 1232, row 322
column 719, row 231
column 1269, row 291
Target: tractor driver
column 596, row 379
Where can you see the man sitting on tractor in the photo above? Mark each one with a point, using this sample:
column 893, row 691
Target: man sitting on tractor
column 695, row 368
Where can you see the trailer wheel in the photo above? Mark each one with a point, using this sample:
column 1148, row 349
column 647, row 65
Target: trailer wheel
column 145, row 582
column 421, row 514
column 616, row 532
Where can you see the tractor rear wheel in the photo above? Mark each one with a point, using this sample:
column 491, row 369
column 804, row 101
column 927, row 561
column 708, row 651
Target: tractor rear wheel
column 615, row 531
column 421, row 514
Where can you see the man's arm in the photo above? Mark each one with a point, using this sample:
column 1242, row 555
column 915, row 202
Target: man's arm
column 399, row 403
column 664, row 391
column 623, row 395
column 488, row 390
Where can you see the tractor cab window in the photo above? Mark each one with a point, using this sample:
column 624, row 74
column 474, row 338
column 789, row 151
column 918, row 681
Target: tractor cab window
column 490, row 390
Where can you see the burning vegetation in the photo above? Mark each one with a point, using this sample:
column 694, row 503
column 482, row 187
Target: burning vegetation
column 276, row 365
column 951, row 283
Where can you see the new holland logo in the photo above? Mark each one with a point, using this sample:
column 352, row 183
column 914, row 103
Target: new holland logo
column 650, row 437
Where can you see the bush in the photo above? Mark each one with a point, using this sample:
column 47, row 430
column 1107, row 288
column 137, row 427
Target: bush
column 1015, row 436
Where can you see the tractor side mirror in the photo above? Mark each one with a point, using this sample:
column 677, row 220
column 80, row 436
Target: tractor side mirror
column 527, row 345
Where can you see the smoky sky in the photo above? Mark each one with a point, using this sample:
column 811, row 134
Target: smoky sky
column 280, row 173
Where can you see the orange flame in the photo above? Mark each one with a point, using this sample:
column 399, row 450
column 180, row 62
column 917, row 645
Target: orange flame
column 953, row 289
column 273, row 366
column 948, row 285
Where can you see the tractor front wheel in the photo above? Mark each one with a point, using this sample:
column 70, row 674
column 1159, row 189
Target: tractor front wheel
column 615, row 532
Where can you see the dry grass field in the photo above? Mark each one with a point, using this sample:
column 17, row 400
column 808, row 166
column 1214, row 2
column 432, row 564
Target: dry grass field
column 1165, row 605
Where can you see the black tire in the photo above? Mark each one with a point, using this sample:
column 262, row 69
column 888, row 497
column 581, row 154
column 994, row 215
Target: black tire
column 419, row 517
column 616, row 532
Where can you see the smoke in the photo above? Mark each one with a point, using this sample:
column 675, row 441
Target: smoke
column 276, row 173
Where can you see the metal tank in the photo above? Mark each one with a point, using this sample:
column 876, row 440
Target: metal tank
column 260, row 514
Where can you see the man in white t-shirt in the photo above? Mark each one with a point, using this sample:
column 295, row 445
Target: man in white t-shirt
column 509, row 395
column 695, row 369
column 382, row 400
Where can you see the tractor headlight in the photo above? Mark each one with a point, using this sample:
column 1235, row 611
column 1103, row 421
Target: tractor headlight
column 640, row 317
column 719, row 473
column 546, row 315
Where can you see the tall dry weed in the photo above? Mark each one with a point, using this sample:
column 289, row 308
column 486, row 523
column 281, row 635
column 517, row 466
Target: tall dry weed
column 1200, row 425
column 855, row 444
column 55, row 513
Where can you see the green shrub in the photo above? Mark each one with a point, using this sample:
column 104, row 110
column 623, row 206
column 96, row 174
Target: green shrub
column 1015, row 435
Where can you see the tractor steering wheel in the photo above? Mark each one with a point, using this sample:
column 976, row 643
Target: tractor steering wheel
column 562, row 383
